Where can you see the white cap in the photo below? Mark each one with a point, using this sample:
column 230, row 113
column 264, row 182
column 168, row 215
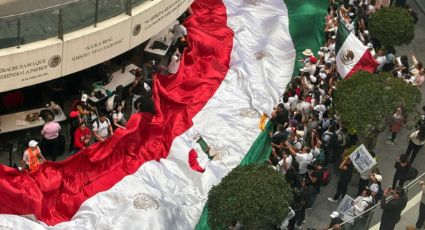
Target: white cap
column 313, row 79
column 84, row 97
column 320, row 108
column 322, row 75
column 334, row 215
column 32, row 143
column 378, row 177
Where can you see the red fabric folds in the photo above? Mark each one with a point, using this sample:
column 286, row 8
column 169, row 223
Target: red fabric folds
column 55, row 192
column 366, row 63
column 193, row 161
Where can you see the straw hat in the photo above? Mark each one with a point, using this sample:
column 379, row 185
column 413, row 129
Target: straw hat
column 307, row 52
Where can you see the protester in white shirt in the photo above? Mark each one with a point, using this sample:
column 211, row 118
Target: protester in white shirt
column 362, row 202
column 102, row 128
column 304, row 157
column 285, row 163
column 381, row 59
column 174, row 65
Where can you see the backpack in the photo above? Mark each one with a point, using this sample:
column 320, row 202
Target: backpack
column 333, row 141
column 412, row 173
column 343, row 141
column 301, row 141
column 321, row 158
column 326, row 177
column 380, row 193
column 98, row 122
column 112, row 102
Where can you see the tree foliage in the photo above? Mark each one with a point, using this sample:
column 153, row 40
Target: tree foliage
column 255, row 195
column 392, row 26
column 366, row 101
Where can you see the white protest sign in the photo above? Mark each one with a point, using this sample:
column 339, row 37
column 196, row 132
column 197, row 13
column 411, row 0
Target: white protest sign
column 345, row 209
column 362, row 159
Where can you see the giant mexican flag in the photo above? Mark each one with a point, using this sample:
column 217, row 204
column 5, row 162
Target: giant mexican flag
column 240, row 58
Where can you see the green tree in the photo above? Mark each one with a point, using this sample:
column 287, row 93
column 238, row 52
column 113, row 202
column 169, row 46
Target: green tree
column 367, row 101
column 255, row 195
column 392, row 26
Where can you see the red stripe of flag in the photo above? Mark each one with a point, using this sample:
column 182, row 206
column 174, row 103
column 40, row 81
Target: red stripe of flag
column 55, row 192
column 366, row 63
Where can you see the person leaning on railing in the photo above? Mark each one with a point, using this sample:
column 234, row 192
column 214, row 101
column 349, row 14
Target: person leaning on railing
column 393, row 208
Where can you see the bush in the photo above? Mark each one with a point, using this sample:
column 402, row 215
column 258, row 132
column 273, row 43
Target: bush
column 366, row 101
column 392, row 26
column 255, row 195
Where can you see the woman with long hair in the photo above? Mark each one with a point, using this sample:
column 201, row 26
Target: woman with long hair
column 417, row 140
column 398, row 120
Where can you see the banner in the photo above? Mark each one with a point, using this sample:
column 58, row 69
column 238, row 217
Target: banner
column 30, row 64
column 345, row 208
column 362, row 159
column 93, row 45
column 150, row 21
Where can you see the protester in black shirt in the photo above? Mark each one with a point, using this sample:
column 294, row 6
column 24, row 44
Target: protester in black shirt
column 346, row 168
column 402, row 166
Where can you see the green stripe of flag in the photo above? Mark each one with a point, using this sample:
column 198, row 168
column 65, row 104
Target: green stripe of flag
column 306, row 25
column 258, row 153
column 342, row 34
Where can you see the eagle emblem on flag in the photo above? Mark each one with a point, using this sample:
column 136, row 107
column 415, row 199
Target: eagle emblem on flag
column 347, row 57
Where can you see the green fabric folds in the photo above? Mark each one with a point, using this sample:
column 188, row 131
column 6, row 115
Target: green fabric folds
column 306, row 25
column 258, row 153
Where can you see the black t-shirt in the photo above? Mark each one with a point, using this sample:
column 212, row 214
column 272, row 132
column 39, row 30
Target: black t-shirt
column 279, row 137
column 317, row 173
column 291, row 177
column 282, row 117
column 347, row 174
column 400, row 170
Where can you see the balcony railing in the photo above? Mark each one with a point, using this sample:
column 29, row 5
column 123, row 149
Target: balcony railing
column 372, row 216
column 55, row 21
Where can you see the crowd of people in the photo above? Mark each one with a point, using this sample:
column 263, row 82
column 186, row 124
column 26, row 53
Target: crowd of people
column 90, row 123
column 309, row 137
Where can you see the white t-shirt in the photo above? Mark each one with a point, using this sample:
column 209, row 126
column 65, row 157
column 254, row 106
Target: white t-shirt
column 117, row 115
column 288, row 161
column 173, row 67
column 102, row 130
column 381, row 60
column 361, row 203
column 304, row 160
column 315, row 152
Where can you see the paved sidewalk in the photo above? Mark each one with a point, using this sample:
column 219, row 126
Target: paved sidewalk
column 421, row 4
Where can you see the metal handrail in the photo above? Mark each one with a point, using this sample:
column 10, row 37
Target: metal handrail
column 60, row 7
column 389, row 198
column 41, row 9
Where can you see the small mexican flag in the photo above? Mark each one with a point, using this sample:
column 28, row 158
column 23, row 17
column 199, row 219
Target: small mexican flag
column 352, row 55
